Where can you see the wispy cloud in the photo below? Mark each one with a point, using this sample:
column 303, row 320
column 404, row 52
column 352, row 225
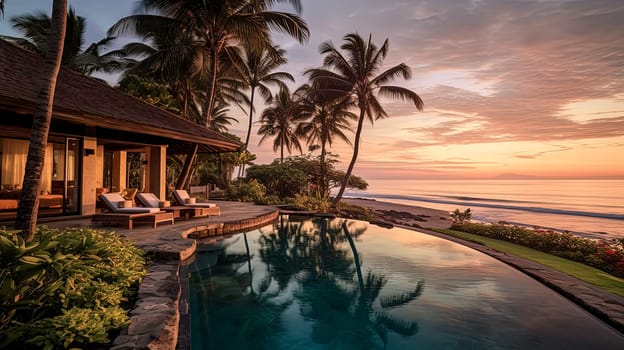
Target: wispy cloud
column 539, row 154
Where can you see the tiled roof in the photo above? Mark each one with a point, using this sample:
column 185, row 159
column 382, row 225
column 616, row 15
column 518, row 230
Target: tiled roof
column 79, row 98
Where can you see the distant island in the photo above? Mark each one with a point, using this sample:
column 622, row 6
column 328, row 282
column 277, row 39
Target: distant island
column 512, row 176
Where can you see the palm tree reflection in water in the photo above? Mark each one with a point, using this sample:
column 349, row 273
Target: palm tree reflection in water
column 313, row 270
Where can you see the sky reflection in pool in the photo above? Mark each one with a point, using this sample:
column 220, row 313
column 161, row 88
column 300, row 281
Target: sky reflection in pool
column 301, row 289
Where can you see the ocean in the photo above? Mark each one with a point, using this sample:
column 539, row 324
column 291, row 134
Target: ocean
column 591, row 207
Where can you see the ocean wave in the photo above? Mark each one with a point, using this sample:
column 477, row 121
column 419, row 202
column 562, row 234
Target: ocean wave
column 478, row 199
column 476, row 203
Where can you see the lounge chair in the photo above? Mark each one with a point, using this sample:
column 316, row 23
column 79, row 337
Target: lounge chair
column 183, row 198
column 150, row 200
column 119, row 213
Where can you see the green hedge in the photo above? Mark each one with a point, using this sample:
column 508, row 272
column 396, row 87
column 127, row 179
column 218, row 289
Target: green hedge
column 606, row 255
column 66, row 288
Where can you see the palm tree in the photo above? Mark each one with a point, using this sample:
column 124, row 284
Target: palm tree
column 36, row 27
column 216, row 28
column 328, row 118
column 257, row 72
column 279, row 121
column 26, row 218
column 354, row 75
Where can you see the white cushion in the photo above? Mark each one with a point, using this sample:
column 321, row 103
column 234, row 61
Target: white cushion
column 149, row 199
column 112, row 199
column 181, row 195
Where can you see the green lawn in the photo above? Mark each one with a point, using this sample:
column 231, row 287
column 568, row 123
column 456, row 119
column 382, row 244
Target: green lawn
column 583, row 272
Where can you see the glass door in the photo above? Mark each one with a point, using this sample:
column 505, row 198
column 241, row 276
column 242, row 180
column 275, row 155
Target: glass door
column 65, row 175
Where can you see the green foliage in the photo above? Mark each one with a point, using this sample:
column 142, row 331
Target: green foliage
column 76, row 326
column 300, row 175
column 280, row 180
column 245, row 191
column 51, row 287
column 604, row 255
column 311, row 203
column 149, row 91
column 460, row 217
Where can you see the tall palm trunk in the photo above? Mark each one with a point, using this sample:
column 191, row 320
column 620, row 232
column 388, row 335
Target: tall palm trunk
column 211, row 92
column 356, row 257
column 241, row 168
column 185, row 173
column 282, row 148
column 251, row 103
column 356, row 149
column 26, row 219
column 323, row 182
column 211, row 89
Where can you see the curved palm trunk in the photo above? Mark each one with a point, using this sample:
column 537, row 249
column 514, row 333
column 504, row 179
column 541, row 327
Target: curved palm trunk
column 356, row 149
column 356, row 257
column 282, row 148
column 249, row 264
column 251, row 101
column 185, row 173
column 323, row 183
column 241, row 168
column 211, row 90
column 26, row 219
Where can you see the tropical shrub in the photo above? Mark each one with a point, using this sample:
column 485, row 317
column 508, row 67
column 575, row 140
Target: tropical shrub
column 460, row 217
column 246, row 191
column 300, row 175
column 66, row 287
column 311, row 203
column 606, row 255
column 279, row 180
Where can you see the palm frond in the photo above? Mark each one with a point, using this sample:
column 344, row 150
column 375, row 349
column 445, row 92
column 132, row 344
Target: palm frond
column 403, row 298
column 402, row 94
column 401, row 327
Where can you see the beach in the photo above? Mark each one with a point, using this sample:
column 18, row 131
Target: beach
column 405, row 215
column 419, row 217
column 589, row 208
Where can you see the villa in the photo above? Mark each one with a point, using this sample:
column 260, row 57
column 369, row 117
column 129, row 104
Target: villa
column 100, row 139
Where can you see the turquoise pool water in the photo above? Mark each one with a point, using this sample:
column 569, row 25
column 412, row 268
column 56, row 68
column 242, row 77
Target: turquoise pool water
column 305, row 284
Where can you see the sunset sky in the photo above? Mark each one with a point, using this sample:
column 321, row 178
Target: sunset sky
column 527, row 87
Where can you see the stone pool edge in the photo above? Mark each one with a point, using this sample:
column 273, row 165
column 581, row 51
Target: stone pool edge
column 161, row 308
column 606, row 306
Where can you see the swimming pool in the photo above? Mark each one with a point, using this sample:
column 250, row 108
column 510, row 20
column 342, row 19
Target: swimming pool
column 304, row 284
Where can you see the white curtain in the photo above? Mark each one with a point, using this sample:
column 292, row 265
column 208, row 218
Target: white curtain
column 14, row 154
column 71, row 165
column 48, row 167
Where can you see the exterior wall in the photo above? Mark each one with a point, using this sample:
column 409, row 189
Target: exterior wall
column 156, row 169
column 120, row 170
column 89, row 176
column 99, row 166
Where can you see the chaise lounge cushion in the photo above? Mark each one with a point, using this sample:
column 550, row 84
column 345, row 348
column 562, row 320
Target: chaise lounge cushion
column 112, row 201
column 182, row 196
column 148, row 199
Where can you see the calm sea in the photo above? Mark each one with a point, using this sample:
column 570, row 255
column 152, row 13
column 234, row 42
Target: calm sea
column 581, row 206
